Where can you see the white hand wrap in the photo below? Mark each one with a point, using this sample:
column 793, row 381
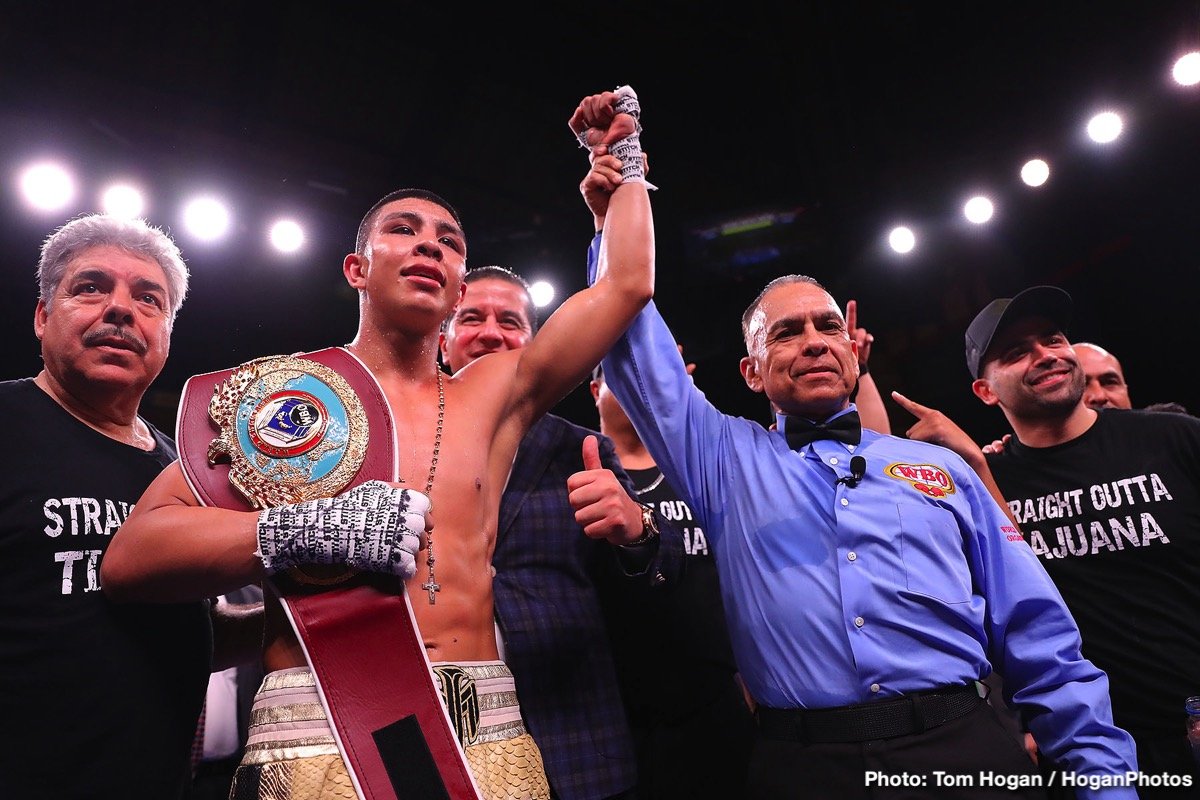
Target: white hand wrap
column 373, row 527
column 629, row 149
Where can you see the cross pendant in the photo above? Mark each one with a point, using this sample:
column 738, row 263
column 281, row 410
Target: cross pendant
column 432, row 587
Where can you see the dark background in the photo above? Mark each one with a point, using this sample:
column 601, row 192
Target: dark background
column 840, row 117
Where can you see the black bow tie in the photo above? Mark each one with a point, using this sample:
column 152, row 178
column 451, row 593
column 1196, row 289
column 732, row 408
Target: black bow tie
column 846, row 429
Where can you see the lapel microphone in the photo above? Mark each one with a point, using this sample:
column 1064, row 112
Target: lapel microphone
column 858, row 470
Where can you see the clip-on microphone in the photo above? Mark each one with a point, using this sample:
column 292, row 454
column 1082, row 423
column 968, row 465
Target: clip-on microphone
column 858, row 470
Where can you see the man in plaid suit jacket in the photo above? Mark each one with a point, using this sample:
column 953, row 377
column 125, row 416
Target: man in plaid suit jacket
column 550, row 573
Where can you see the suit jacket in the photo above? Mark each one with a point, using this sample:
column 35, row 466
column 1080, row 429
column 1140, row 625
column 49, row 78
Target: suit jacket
column 547, row 599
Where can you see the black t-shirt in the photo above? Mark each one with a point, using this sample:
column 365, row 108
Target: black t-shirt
column 672, row 646
column 97, row 700
column 1114, row 516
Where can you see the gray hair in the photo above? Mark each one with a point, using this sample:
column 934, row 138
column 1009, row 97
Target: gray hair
column 748, row 314
column 135, row 236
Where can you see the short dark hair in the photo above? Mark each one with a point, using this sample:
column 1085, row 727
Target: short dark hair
column 507, row 275
column 364, row 227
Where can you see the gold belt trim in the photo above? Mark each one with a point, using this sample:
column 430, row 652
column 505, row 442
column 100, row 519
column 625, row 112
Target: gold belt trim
column 268, row 746
column 290, row 749
column 298, row 712
column 294, row 678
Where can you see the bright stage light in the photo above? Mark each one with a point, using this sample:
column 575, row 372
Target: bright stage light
column 902, row 239
column 47, row 186
column 978, row 209
column 1035, row 172
column 287, row 236
column 1105, row 127
column 1187, row 70
column 206, row 219
column 542, row 293
column 123, row 200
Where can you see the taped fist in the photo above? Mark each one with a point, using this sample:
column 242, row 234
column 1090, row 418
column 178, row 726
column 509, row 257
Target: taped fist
column 374, row 527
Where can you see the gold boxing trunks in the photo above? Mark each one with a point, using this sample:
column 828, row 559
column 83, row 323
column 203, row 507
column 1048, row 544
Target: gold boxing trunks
column 291, row 753
column 290, row 750
column 481, row 699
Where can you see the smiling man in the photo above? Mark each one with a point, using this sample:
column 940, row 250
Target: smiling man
column 1106, row 386
column 869, row 581
column 1109, row 500
column 99, row 700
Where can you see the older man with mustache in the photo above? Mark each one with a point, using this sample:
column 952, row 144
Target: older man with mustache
column 99, row 700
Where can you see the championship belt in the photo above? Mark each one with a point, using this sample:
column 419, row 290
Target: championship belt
column 285, row 429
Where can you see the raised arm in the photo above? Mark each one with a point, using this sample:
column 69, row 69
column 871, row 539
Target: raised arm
column 581, row 331
column 868, row 399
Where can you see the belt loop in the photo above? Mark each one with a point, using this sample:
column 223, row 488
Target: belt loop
column 918, row 714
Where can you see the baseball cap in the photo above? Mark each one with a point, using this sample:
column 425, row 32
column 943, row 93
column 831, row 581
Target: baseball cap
column 1040, row 301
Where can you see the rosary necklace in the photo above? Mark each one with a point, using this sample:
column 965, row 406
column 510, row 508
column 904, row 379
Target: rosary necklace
column 432, row 585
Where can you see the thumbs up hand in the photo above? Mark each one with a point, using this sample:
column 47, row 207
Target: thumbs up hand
column 591, row 454
column 602, row 506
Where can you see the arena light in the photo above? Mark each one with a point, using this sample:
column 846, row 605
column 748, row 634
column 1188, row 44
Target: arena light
column 901, row 239
column 287, row 236
column 1186, row 71
column 47, row 186
column 206, row 218
column 1104, row 127
column 542, row 293
column 123, row 200
column 1035, row 172
column 978, row 209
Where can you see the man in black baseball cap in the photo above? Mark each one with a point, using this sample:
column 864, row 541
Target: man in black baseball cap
column 1107, row 500
column 1044, row 301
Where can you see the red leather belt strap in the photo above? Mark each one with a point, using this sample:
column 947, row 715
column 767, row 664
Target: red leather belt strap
column 360, row 637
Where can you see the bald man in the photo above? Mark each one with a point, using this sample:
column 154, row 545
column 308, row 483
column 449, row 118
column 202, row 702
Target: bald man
column 1105, row 387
